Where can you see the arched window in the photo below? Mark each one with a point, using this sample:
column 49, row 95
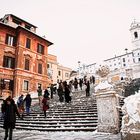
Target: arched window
column 135, row 34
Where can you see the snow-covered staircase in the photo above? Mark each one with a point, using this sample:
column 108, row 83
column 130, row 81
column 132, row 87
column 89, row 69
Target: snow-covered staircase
column 79, row 115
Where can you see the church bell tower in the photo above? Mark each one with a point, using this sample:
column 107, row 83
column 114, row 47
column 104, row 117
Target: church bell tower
column 135, row 34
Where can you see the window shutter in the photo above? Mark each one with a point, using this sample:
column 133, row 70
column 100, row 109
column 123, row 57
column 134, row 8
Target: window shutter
column 14, row 41
column 6, row 39
column 11, row 85
column 13, row 63
column 4, row 61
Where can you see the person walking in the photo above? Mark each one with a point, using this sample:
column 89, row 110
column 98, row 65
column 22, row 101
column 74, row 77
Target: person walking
column 67, row 92
column 75, row 84
column 46, row 93
column 28, row 101
column 39, row 90
column 10, row 110
column 45, row 103
column 20, row 105
column 60, row 92
column 87, row 88
column 81, row 83
column 52, row 90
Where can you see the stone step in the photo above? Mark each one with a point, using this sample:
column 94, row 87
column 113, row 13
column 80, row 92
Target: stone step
column 48, row 121
column 60, row 117
column 59, row 129
column 70, row 111
column 48, row 125
column 60, row 113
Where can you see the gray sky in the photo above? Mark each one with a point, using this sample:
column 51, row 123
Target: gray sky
column 81, row 30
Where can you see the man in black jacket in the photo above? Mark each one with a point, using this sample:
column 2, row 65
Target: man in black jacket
column 10, row 111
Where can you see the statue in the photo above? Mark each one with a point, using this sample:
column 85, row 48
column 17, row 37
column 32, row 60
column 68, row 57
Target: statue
column 103, row 71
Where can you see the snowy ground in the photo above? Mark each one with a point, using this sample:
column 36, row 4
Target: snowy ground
column 36, row 135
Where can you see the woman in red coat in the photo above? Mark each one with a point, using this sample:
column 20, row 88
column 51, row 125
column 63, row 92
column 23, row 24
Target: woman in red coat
column 45, row 103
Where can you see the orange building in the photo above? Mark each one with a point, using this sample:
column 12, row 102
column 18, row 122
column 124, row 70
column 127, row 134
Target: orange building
column 23, row 57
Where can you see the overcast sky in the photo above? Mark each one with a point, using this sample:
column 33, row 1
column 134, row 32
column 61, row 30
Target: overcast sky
column 81, row 30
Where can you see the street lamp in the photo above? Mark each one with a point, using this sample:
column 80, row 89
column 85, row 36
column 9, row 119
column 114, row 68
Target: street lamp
column 79, row 67
column 126, row 50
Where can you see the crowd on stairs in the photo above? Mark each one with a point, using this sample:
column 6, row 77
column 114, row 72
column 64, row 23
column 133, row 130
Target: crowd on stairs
column 10, row 109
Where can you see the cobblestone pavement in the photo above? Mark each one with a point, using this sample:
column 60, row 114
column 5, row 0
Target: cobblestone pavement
column 36, row 135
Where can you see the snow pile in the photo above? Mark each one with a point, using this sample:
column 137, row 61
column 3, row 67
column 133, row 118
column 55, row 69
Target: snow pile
column 104, row 85
column 131, row 110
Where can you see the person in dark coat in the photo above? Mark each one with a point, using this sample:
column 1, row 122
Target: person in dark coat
column 60, row 92
column 10, row 110
column 52, row 91
column 67, row 92
column 75, row 84
column 20, row 104
column 46, row 93
column 81, row 83
column 28, row 101
column 87, row 88
column 45, row 103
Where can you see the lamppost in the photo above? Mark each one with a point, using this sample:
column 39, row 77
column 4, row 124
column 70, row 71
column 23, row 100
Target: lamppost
column 79, row 68
column 126, row 50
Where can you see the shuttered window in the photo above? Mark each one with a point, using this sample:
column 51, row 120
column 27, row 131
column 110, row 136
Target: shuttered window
column 9, row 62
column 28, row 43
column 40, row 48
column 10, row 40
column 27, row 64
column 40, row 68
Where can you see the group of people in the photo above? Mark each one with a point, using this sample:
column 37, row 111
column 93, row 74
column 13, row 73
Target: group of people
column 64, row 91
column 64, row 88
column 80, row 83
column 9, row 111
column 24, row 104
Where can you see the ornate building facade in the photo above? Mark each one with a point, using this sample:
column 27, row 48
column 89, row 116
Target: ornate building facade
column 24, row 57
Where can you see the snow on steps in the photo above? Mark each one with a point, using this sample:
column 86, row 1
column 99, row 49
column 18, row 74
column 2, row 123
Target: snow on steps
column 79, row 115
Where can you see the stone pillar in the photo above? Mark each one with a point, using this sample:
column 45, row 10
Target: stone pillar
column 107, row 102
column 108, row 115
